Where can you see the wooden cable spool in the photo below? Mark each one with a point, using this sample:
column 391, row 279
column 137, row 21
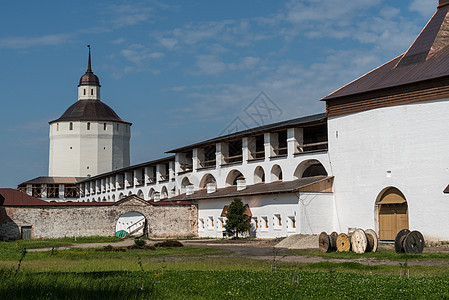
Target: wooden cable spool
column 373, row 240
column 413, row 243
column 358, row 241
column 343, row 243
column 397, row 241
column 333, row 239
column 324, row 242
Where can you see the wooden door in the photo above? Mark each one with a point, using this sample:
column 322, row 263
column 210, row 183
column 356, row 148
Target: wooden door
column 392, row 219
column 26, row 232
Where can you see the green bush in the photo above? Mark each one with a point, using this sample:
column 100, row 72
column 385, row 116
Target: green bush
column 139, row 243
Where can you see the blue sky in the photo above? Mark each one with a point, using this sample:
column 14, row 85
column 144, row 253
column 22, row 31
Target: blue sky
column 182, row 71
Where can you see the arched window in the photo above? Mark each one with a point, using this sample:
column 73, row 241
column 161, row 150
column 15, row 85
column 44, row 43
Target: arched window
column 208, row 178
column 310, row 168
column 276, row 173
column 233, row 176
column 91, row 91
column 71, row 126
column 88, row 126
column 84, row 91
column 259, row 175
column 57, row 126
column 164, row 193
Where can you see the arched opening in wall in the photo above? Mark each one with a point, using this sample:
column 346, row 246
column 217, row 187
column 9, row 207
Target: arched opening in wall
column 276, row 173
column 121, row 196
column 233, row 176
column 140, row 194
column 104, row 199
column 109, row 198
column 259, row 175
column 309, row 168
column 151, row 194
column 113, row 198
column 208, row 178
column 130, row 193
column 392, row 212
column 87, row 200
column 164, row 193
column 130, row 224
column 88, row 126
column 71, row 126
column 99, row 199
column 184, row 183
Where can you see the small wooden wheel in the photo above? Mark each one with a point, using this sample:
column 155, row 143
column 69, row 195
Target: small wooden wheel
column 343, row 243
column 324, row 242
column 397, row 241
column 358, row 241
column 373, row 240
column 333, row 238
column 413, row 243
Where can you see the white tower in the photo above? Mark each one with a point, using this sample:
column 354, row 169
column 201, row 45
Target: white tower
column 89, row 138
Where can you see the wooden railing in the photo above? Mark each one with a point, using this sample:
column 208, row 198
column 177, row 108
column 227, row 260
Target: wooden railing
column 186, row 167
column 258, row 154
column 280, row 151
column 311, row 147
column 209, row 163
column 164, row 177
column 233, row 159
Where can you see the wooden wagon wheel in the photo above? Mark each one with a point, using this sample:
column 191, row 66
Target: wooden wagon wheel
column 373, row 240
column 333, row 238
column 343, row 243
column 397, row 241
column 413, row 243
column 358, row 241
column 324, row 242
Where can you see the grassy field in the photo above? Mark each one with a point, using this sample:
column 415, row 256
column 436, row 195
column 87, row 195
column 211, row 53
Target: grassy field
column 204, row 273
column 379, row 255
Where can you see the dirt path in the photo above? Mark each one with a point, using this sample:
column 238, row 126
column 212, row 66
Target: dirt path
column 124, row 243
column 265, row 250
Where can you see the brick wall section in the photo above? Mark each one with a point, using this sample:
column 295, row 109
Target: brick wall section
column 60, row 221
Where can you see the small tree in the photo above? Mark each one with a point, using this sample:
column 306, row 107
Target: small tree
column 237, row 221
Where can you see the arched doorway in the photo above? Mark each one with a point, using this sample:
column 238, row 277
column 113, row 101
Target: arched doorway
column 392, row 212
column 130, row 224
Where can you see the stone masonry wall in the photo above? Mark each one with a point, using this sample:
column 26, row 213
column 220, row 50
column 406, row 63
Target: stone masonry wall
column 61, row 221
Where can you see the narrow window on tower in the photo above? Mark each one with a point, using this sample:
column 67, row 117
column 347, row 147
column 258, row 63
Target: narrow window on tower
column 71, row 126
column 84, row 91
column 91, row 91
column 117, row 127
column 104, row 126
column 57, row 126
column 88, row 126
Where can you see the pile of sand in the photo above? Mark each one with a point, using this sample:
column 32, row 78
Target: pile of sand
column 299, row 241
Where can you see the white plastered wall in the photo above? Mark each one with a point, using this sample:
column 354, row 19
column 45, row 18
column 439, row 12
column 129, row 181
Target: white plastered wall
column 406, row 147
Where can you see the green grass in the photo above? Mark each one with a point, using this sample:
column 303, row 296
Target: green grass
column 379, row 255
column 92, row 254
column 61, row 242
column 240, row 284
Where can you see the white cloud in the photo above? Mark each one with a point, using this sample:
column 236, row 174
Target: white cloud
column 121, row 15
column 425, row 7
column 138, row 54
column 21, row 42
column 118, row 41
column 168, row 43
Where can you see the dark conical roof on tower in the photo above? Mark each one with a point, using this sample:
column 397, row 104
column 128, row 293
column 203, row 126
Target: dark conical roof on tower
column 89, row 78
